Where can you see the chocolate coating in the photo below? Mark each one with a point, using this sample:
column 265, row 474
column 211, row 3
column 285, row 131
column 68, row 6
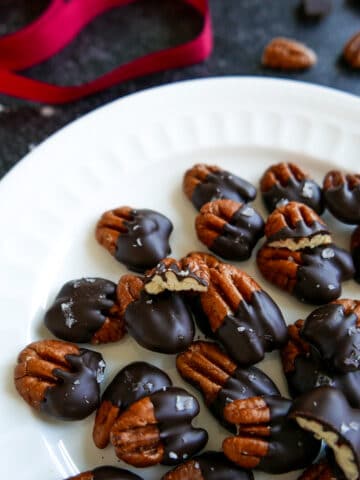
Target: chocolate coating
column 174, row 409
column 222, row 184
column 328, row 407
column 240, row 235
column 135, row 381
column 78, row 394
column 243, row 383
column 257, row 327
column 107, row 473
column 80, row 309
column 299, row 230
column 161, row 323
column 355, row 251
column 290, row 447
column 344, row 202
column 336, row 337
column 305, row 191
column 318, row 279
column 146, row 242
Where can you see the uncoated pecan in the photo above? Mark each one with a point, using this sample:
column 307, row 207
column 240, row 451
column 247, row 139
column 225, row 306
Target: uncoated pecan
column 288, row 54
column 319, row 471
column 351, row 51
column 111, row 225
column 295, row 346
column 128, row 290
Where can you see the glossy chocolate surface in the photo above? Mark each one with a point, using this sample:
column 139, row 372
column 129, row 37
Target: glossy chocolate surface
column 78, row 394
column 80, row 309
column 146, row 242
column 319, row 277
column 243, row 383
column 240, row 235
column 174, row 409
column 290, row 447
column 135, row 381
column 344, row 203
column 299, row 230
column 355, row 251
column 222, row 184
column 305, row 191
column 113, row 473
column 161, row 323
column 336, row 337
column 257, row 327
column 215, row 466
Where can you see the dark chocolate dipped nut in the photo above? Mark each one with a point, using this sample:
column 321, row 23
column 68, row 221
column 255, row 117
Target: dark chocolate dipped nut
column 305, row 369
column 157, row 429
column 208, row 466
column 267, row 439
column 161, row 323
column 135, row 381
column 106, row 473
column 334, row 331
column 239, row 314
column 86, row 310
column 285, row 182
column 316, row 9
column 342, row 196
column 205, row 366
column 326, row 413
column 355, row 250
column 59, row 378
column 229, row 229
column 137, row 238
column 177, row 276
column 205, row 183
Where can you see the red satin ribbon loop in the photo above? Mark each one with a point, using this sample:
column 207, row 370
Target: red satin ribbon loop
column 59, row 25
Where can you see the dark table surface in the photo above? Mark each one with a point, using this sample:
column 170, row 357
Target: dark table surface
column 241, row 29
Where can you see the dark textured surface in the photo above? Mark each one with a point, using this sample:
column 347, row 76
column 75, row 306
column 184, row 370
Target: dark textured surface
column 241, row 28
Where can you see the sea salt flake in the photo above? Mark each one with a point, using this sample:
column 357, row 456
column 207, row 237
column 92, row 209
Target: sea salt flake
column 307, row 191
column 185, row 456
column 183, row 273
column 247, row 211
column 173, row 455
column 47, row 111
column 228, row 400
column 331, row 286
column 323, row 380
column 354, row 426
column 149, row 302
column 252, row 377
column 100, row 373
column 328, row 253
column 282, row 202
column 148, row 386
column 241, row 329
column 344, row 428
column 196, row 465
column 139, row 242
column 66, row 309
column 184, row 403
column 136, row 227
column 76, row 382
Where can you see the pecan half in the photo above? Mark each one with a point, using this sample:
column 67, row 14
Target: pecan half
column 137, row 238
column 351, row 51
column 295, row 347
column 229, row 228
column 319, row 471
column 342, row 196
column 288, row 54
column 355, row 251
column 59, row 379
column 204, row 183
column 288, row 182
column 177, row 276
column 157, row 429
column 106, row 473
column 267, row 439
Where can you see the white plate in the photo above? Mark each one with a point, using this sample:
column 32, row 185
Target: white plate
column 135, row 151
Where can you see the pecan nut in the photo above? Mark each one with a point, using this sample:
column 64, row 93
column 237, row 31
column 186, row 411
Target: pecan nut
column 135, row 381
column 177, row 276
column 205, row 467
column 204, row 183
column 321, row 471
column 205, row 366
column 342, row 196
column 239, row 314
column 267, row 439
column 351, row 51
column 228, row 228
column 355, row 251
column 288, row 182
column 86, row 310
column 157, row 429
column 59, row 379
column 106, row 473
column 288, row 54
column 137, row 238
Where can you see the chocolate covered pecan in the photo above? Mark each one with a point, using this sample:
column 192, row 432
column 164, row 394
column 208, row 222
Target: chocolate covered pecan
column 305, row 369
column 288, row 182
column 355, row 250
column 208, row 466
column 177, row 276
column 138, row 238
column 86, row 310
column 135, row 381
column 267, row 438
column 59, row 378
column 157, row 429
column 239, row 314
column 204, row 183
column 342, row 196
column 324, row 470
column 161, row 323
column 106, row 473
column 228, row 228
column 326, row 413
column 220, row 380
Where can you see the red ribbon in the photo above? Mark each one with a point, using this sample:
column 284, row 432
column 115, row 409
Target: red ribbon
column 59, row 25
